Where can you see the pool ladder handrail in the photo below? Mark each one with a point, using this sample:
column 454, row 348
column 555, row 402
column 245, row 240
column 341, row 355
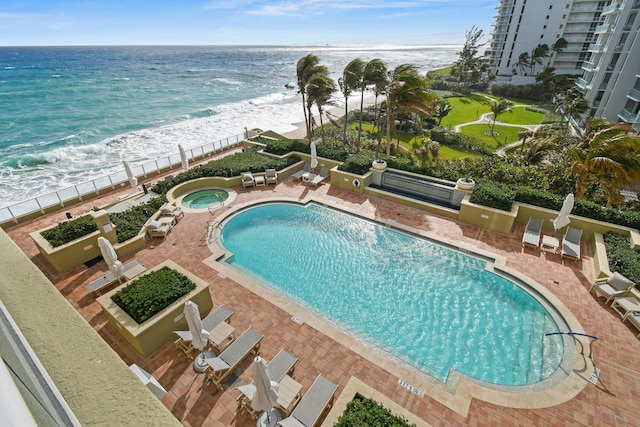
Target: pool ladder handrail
column 220, row 200
column 580, row 334
column 211, row 228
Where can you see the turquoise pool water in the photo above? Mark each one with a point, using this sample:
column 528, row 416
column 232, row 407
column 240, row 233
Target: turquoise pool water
column 436, row 308
column 203, row 199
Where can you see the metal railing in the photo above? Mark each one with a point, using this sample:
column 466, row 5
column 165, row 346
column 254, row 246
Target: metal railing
column 104, row 184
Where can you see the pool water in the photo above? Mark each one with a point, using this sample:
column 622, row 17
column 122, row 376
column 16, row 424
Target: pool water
column 203, row 199
column 436, row 308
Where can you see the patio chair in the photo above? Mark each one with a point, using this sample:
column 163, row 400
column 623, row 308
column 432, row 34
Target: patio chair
column 272, row 176
column 157, row 229
column 247, row 180
column 313, row 404
column 614, row 286
column 281, row 365
column 571, row 243
column 317, row 179
column 532, row 232
column 305, row 169
column 170, row 210
column 634, row 318
column 213, row 319
column 220, row 367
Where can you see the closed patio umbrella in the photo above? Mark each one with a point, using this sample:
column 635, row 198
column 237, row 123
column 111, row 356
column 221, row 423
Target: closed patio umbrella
column 199, row 336
column 314, row 156
column 183, row 157
column 110, row 257
column 563, row 217
column 266, row 395
column 132, row 179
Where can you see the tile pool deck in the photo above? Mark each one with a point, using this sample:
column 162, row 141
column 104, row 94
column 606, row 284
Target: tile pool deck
column 613, row 401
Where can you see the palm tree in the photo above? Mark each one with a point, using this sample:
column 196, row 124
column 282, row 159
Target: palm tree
column 524, row 61
column 306, row 67
column 374, row 73
column 560, row 45
column 319, row 90
column 350, row 81
column 607, row 154
column 536, row 152
column 498, row 107
column 441, row 110
column 537, row 55
column 434, row 150
column 523, row 135
column 571, row 104
column 406, row 92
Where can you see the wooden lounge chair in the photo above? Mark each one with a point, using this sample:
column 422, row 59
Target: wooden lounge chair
column 247, row 180
column 280, row 366
column 219, row 368
column 317, row 179
column 313, row 404
column 571, row 243
column 170, row 210
column 305, row 169
column 614, row 286
column 532, row 232
column 213, row 319
column 130, row 270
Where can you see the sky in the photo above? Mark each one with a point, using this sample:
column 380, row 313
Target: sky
column 241, row 22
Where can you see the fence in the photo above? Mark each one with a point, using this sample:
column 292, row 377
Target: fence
column 86, row 190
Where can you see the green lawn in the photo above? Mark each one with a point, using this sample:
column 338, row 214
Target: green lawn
column 478, row 131
column 466, row 109
column 521, row 116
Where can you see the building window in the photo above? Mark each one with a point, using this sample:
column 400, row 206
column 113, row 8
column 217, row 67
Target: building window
column 541, row 36
column 550, row 6
column 560, row 26
column 544, row 27
column 547, row 16
column 566, row 6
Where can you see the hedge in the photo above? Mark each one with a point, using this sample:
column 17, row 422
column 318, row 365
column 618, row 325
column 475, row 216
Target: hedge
column 153, row 292
column 364, row 412
column 493, row 194
column 68, row 231
column 622, row 257
column 129, row 223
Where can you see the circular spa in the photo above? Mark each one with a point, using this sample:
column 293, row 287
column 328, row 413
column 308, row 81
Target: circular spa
column 209, row 198
column 433, row 306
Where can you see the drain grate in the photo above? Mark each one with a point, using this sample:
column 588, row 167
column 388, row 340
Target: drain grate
column 297, row 320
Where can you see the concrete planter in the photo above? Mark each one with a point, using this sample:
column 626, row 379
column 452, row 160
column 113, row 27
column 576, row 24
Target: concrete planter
column 466, row 184
column 379, row 164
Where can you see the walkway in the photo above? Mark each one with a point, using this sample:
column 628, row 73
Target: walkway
column 612, row 402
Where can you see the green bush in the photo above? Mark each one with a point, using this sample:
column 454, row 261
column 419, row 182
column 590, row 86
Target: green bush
column 153, row 292
column 69, row 231
column 281, row 147
column 619, row 249
column 358, row 164
column 363, row 412
column 493, row 195
column 129, row 223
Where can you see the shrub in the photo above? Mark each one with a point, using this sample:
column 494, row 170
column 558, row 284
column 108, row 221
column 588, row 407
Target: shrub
column 129, row 223
column 69, row 231
column 493, row 195
column 281, row 147
column 151, row 293
column 363, row 412
column 357, row 163
column 619, row 250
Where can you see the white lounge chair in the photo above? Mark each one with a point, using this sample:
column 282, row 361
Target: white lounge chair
column 571, row 243
column 220, row 367
column 305, row 169
column 170, row 210
column 209, row 323
column 271, row 176
column 317, row 179
column 634, row 318
column 532, row 232
column 157, row 229
column 129, row 271
column 615, row 286
column 315, row 401
column 247, row 180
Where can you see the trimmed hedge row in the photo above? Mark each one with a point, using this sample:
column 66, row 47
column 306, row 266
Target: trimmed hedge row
column 68, row 231
column 153, row 292
column 129, row 223
column 619, row 251
column 493, row 194
column 363, row 412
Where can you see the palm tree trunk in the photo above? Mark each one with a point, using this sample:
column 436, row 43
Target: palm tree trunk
column 346, row 112
column 361, row 114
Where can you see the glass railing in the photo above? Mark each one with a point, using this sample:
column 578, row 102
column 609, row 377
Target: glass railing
column 582, row 82
column 110, row 182
column 611, row 8
column 629, row 117
column 634, row 94
column 602, row 28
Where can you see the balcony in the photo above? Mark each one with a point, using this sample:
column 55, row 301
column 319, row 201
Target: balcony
column 629, row 117
column 612, row 8
column 634, row 94
column 588, row 66
column 603, row 29
column 595, row 48
column 582, row 83
column 504, row 4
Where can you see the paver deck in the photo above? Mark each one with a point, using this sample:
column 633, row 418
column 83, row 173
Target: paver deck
column 613, row 401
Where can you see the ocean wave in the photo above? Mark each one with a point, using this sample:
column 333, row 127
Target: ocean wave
column 228, row 81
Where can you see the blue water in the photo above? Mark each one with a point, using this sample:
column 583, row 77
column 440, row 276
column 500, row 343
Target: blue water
column 203, row 199
column 70, row 114
column 435, row 308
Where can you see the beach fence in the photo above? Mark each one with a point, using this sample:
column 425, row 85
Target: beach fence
column 56, row 200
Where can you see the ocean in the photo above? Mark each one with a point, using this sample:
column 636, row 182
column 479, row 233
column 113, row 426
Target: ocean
column 71, row 114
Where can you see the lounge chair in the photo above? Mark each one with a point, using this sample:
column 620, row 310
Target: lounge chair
column 571, row 243
column 315, row 401
column 129, row 271
column 219, row 368
column 170, row 210
column 317, row 179
column 532, row 232
column 272, row 176
column 305, row 169
column 247, row 180
column 614, row 286
column 281, row 365
column 157, row 229
column 209, row 323
column 634, row 318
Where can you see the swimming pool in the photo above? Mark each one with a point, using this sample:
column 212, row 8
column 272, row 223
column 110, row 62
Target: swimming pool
column 436, row 308
column 203, row 199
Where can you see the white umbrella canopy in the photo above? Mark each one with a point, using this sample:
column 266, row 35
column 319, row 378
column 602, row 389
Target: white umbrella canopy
column 110, row 257
column 183, row 157
column 199, row 336
column 266, row 394
column 132, row 179
column 314, row 156
column 563, row 217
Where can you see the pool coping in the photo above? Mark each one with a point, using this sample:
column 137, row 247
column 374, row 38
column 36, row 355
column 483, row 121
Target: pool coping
column 569, row 379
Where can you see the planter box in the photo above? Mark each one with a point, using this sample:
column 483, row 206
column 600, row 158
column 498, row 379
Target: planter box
column 158, row 330
column 483, row 216
column 69, row 255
